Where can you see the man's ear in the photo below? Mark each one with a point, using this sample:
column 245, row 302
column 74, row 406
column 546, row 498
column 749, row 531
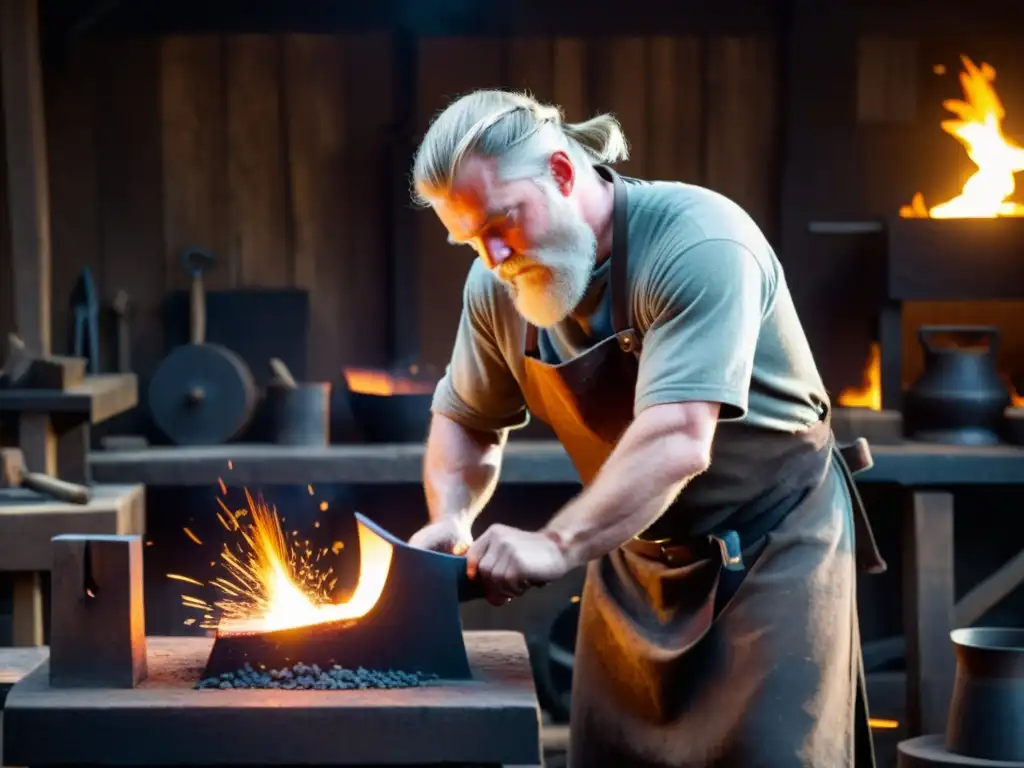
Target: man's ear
column 563, row 172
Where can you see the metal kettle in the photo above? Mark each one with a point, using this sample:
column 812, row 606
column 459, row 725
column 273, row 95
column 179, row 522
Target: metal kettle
column 960, row 398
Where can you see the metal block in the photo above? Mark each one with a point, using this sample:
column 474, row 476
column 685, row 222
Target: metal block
column 98, row 631
column 956, row 259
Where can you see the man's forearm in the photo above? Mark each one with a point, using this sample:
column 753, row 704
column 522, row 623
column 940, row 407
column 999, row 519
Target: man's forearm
column 461, row 469
column 648, row 468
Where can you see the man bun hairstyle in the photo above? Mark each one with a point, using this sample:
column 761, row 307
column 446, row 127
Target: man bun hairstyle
column 516, row 130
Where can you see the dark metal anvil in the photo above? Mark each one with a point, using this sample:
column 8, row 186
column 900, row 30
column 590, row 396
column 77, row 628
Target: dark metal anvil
column 414, row 626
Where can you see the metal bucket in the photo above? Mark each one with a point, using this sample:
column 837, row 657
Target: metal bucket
column 300, row 415
column 986, row 714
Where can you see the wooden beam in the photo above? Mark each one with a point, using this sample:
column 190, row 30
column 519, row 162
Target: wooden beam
column 928, row 598
column 27, row 190
column 989, row 592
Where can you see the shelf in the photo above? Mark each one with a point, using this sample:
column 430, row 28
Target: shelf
column 525, row 463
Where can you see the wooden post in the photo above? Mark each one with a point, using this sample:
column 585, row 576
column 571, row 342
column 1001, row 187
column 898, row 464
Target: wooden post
column 928, row 599
column 97, row 622
column 29, row 217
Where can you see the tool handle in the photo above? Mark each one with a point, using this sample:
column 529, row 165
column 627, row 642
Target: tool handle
column 196, row 261
column 282, row 373
column 197, row 310
column 72, row 493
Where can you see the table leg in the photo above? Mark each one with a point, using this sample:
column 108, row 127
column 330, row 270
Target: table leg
column 928, row 599
column 27, row 613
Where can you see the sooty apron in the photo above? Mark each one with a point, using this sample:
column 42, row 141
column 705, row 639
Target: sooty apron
column 735, row 648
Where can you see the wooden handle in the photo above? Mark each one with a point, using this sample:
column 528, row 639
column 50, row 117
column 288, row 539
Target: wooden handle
column 280, row 370
column 197, row 309
column 58, row 489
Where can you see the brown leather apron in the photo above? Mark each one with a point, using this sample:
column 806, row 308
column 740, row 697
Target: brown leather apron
column 727, row 634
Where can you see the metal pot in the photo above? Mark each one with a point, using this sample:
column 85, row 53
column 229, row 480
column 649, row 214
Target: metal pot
column 960, row 398
column 300, row 415
column 987, row 710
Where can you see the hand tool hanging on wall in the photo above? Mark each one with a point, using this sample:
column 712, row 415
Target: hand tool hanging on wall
column 85, row 308
column 15, row 475
column 121, row 305
column 201, row 394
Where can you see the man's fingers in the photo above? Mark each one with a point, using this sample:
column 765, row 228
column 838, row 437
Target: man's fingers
column 477, row 550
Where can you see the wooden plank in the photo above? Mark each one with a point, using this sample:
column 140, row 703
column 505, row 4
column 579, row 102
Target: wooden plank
column 986, row 595
column 928, row 596
column 493, row 719
column 313, row 84
column 569, row 78
column 95, row 400
column 742, row 125
column 258, row 240
column 6, row 264
column 27, row 186
column 448, row 67
column 675, row 104
column 71, row 140
column 527, row 462
column 887, row 80
column 28, row 521
column 26, row 609
column 193, row 128
column 15, row 663
column 98, row 637
column 369, row 109
column 529, row 66
column 131, row 203
column 620, row 84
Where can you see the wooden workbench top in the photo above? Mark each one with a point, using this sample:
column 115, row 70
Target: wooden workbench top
column 96, row 399
column 526, row 462
column 28, row 521
column 493, row 719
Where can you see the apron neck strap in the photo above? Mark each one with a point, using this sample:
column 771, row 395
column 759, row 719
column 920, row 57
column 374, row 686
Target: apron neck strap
column 618, row 288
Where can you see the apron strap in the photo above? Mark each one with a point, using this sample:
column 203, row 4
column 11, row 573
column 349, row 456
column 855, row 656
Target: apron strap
column 618, row 283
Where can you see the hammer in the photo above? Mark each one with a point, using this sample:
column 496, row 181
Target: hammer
column 15, row 475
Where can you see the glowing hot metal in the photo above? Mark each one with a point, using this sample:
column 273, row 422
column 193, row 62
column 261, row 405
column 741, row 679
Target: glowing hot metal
column 406, row 618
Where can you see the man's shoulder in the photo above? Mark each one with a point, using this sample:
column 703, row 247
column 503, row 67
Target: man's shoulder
column 683, row 215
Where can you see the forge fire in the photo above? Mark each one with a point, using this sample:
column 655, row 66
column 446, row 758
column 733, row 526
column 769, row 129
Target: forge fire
column 268, row 584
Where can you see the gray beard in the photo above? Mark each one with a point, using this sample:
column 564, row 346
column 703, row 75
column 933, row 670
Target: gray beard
column 568, row 256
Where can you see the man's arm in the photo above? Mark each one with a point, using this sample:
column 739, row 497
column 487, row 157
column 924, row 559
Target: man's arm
column 475, row 404
column 460, row 470
column 664, row 447
column 705, row 308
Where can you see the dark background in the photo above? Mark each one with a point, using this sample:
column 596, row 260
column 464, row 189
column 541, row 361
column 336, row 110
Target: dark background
column 279, row 136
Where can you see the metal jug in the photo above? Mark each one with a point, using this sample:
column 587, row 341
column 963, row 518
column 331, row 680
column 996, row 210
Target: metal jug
column 960, row 398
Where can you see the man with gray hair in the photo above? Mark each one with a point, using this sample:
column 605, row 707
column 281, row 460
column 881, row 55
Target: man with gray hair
column 650, row 325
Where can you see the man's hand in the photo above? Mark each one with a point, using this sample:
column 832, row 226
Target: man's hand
column 509, row 561
column 450, row 535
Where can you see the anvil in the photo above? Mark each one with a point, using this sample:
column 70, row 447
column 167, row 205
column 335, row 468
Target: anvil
column 414, row 626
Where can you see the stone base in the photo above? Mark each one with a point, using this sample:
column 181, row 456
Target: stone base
column 930, row 752
column 493, row 719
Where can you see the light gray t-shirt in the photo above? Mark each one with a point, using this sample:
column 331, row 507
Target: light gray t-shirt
column 708, row 296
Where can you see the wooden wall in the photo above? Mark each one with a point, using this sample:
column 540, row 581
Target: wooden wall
column 275, row 152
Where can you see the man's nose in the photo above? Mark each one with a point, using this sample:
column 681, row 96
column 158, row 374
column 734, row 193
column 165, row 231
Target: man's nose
column 495, row 252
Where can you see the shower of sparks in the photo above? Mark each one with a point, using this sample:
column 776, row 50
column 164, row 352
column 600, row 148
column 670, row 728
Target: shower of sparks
column 265, row 574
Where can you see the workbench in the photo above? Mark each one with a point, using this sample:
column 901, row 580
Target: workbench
column 927, row 475
column 492, row 720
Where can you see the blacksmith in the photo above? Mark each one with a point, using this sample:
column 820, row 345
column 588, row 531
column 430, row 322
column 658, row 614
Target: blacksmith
column 650, row 325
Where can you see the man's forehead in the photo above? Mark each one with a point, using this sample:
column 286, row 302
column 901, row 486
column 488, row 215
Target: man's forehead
column 476, row 195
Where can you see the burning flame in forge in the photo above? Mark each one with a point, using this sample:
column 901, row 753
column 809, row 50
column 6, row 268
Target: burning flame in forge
column 979, row 128
column 270, row 585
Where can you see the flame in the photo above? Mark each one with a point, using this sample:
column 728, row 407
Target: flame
column 979, row 128
column 869, row 395
column 269, row 585
column 365, row 381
